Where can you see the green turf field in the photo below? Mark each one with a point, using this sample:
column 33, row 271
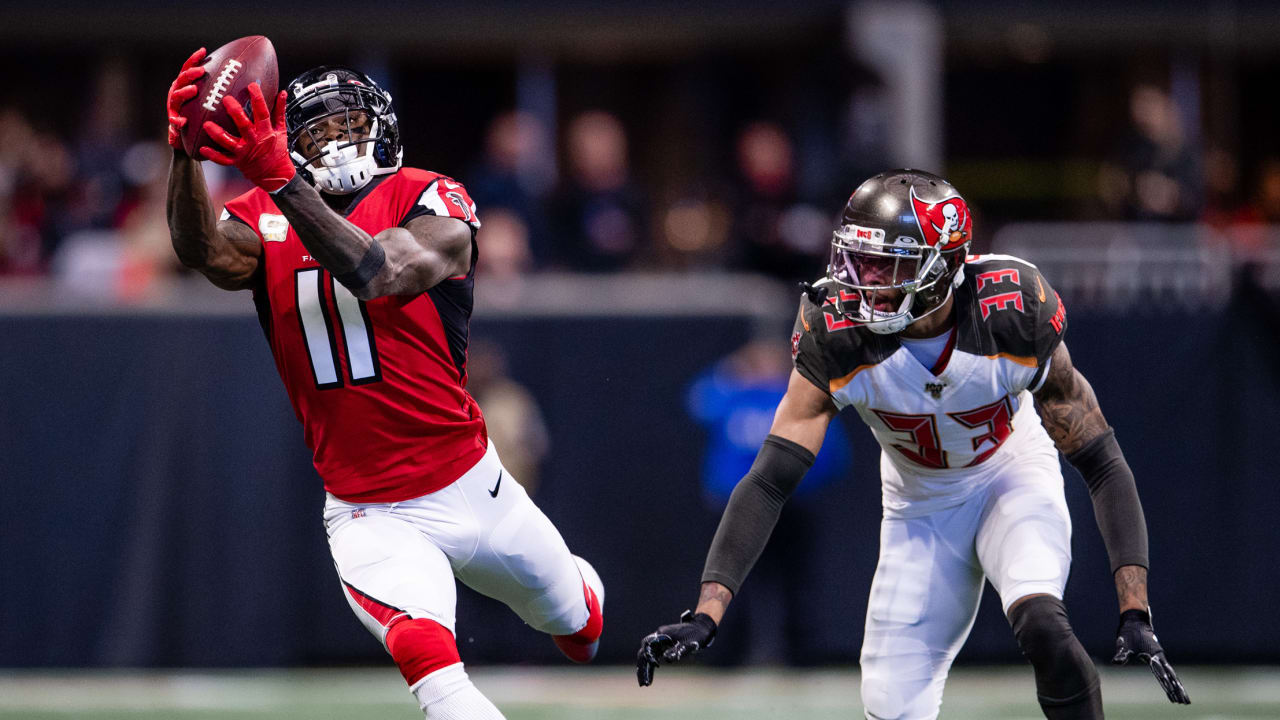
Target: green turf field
column 597, row 694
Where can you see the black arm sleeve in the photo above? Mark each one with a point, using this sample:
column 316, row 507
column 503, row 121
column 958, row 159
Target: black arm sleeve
column 753, row 511
column 1115, row 499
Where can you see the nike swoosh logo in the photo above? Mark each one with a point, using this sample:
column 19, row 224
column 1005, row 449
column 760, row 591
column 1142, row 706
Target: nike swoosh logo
column 1040, row 290
column 494, row 491
column 450, row 185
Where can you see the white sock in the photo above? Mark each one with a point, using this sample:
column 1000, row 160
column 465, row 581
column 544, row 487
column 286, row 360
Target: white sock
column 447, row 694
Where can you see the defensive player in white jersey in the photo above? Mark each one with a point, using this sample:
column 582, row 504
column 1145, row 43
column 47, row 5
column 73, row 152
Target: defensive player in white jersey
column 941, row 354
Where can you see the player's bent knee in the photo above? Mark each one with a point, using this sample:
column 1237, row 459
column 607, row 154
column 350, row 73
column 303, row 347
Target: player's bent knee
column 420, row 647
column 890, row 698
column 880, row 699
column 581, row 645
column 1064, row 673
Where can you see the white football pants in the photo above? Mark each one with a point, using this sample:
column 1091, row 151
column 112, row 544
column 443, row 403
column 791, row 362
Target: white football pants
column 404, row 556
column 929, row 579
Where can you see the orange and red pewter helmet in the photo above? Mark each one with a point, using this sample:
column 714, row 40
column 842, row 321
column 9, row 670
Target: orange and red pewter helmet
column 899, row 249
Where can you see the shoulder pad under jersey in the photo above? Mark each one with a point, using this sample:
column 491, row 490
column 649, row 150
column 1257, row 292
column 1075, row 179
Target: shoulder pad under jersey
column 1013, row 309
column 828, row 349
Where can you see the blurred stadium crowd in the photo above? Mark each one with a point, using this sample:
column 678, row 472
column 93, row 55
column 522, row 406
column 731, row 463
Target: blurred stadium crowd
column 692, row 176
column 72, row 205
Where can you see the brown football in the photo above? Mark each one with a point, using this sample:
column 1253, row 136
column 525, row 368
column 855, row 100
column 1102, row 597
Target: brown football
column 229, row 71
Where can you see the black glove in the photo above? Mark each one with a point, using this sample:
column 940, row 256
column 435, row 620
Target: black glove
column 673, row 643
column 1135, row 636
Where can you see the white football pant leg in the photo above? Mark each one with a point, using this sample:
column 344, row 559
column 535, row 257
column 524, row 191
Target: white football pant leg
column 519, row 557
column 924, row 599
column 1024, row 537
column 484, row 530
column 387, row 567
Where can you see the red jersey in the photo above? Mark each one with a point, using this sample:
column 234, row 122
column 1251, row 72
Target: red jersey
column 379, row 386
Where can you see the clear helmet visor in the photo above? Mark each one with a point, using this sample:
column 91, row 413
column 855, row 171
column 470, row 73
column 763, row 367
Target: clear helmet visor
column 329, row 98
column 895, row 268
column 881, row 276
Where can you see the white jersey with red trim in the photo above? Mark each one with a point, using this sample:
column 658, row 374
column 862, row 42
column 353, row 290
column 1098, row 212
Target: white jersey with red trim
column 942, row 428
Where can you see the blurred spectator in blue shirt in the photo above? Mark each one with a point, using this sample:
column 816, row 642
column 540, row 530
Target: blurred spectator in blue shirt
column 735, row 400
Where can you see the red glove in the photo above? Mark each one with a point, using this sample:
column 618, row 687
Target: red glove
column 181, row 91
column 261, row 152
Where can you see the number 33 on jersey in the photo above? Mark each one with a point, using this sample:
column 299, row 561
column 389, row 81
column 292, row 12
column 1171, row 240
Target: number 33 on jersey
column 976, row 401
column 380, row 386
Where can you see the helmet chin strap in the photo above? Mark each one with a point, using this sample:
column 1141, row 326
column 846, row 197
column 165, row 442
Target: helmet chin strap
column 898, row 322
column 902, row 321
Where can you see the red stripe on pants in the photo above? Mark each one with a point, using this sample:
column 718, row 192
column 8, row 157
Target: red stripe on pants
column 385, row 614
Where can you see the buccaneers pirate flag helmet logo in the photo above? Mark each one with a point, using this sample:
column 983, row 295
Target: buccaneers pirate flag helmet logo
column 945, row 224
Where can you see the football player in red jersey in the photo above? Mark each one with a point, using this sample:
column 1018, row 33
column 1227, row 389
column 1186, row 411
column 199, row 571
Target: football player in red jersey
column 362, row 273
column 941, row 354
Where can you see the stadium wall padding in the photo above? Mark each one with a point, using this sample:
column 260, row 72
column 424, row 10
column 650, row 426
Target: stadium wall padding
column 161, row 508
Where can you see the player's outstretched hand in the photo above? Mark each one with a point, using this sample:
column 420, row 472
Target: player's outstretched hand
column 1135, row 637
column 180, row 91
column 261, row 152
column 673, row 643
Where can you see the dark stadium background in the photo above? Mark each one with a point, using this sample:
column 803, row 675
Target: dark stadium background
column 161, row 510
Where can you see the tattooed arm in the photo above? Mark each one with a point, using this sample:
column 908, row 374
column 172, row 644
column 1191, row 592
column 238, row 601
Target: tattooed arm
column 1070, row 412
column 1131, row 587
column 1068, row 406
column 714, row 600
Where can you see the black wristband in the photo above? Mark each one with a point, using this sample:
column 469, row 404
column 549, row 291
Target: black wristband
column 704, row 621
column 295, row 184
column 374, row 258
column 753, row 510
column 1142, row 615
column 1115, row 500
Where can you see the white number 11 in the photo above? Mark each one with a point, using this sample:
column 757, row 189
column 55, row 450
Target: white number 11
column 321, row 343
